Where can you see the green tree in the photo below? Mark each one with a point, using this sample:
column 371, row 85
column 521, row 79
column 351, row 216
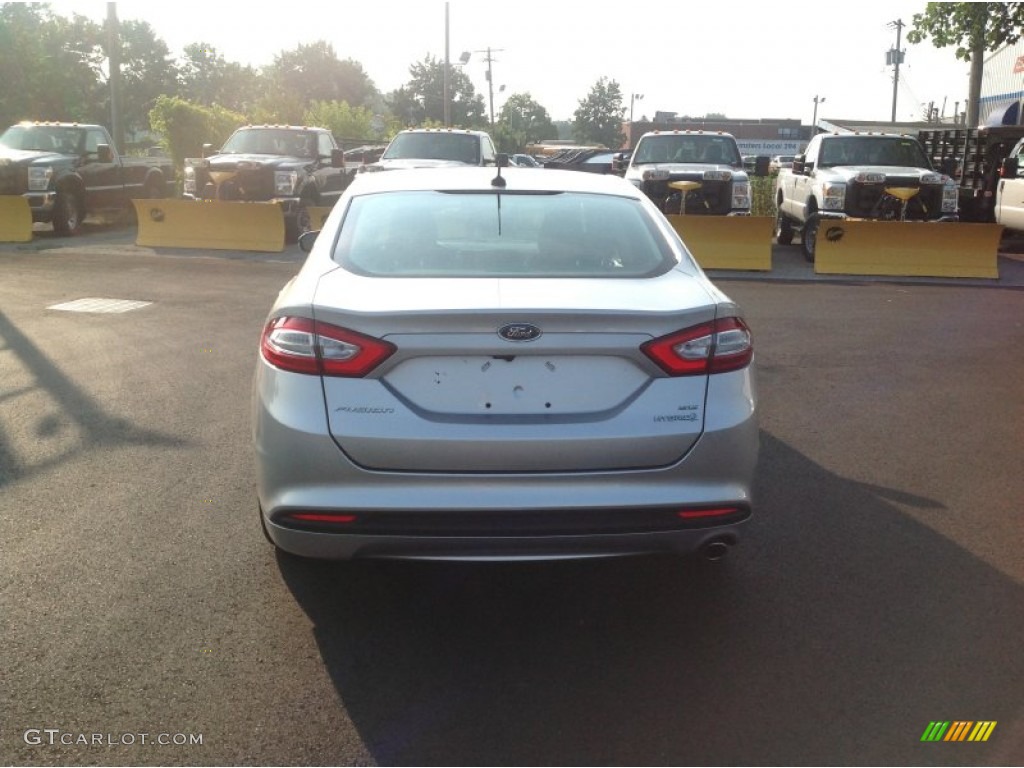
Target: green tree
column 598, row 119
column 422, row 98
column 205, row 77
column 975, row 28
column 522, row 121
column 50, row 65
column 350, row 125
column 147, row 72
column 311, row 73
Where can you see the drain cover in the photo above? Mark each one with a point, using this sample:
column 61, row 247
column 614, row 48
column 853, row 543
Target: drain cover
column 100, row 305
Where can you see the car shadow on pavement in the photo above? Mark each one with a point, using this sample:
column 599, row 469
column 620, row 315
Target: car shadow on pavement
column 46, row 418
column 833, row 634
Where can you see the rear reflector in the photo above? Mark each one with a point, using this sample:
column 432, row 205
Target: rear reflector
column 320, row 517
column 695, row 514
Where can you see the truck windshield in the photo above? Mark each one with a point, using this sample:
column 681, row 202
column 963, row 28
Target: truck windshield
column 271, row 141
column 460, row 147
column 44, row 138
column 687, row 148
column 868, row 150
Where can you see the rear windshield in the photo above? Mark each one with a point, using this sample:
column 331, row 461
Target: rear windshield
column 461, row 147
column 472, row 234
column 687, row 148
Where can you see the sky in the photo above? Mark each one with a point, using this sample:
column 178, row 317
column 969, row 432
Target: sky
column 742, row 59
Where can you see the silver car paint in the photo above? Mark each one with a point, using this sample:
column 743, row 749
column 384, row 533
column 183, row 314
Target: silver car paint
column 400, row 451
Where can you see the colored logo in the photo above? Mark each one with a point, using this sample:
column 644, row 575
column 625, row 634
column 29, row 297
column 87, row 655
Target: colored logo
column 958, row 730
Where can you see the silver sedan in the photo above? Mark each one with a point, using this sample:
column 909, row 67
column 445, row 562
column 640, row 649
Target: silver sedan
column 484, row 363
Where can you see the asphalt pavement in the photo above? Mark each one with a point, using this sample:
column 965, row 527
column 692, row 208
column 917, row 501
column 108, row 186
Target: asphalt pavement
column 145, row 620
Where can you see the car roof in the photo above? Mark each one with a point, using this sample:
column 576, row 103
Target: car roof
column 479, row 179
column 459, row 131
column 281, row 127
column 686, row 133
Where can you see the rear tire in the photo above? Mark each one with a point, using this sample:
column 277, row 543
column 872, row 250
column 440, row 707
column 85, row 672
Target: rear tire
column 809, row 236
column 68, row 213
column 783, row 230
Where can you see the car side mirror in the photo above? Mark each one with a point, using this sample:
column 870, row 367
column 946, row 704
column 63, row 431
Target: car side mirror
column 798, row 164
column 762, row 165
column 104, row 153
column 948, row 166
column 337, row 158
column 1009, row 167
column 207, row 149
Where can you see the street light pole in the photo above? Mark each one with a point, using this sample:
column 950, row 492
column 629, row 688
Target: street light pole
column 633, row 97
column 447, row 74
column 814, row 120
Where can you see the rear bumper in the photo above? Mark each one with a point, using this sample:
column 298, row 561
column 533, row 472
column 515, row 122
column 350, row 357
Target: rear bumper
column 353, row 546
column 528, row 515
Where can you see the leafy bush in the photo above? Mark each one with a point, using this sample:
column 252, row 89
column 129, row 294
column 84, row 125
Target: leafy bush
column 186, row 126
column 762, row 201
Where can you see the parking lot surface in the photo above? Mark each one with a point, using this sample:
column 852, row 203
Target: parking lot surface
column 878, row 588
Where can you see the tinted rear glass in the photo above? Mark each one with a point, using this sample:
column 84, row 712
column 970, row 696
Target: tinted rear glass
column 462, row 147
column 444, row 234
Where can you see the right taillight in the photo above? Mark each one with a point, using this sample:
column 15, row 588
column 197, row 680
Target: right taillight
column 301, row 345
column 716, row 347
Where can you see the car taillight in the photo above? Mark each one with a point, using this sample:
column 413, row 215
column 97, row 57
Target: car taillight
column 715, row 347
column 301, row 345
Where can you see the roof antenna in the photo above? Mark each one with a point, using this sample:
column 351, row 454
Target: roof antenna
column 502, row 162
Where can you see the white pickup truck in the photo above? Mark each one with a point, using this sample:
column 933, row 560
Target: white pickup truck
column 863, row 176
column 1009, row 208
column 709, row 160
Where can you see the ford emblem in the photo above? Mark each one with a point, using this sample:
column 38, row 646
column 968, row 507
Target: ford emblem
column 519, row 332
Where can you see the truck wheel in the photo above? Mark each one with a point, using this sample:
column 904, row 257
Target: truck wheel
column 67, row 213
column 154, row 190
column 809, row 236
column 301, row 223
column 783, row 230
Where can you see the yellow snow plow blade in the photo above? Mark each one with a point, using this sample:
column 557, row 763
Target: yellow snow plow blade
column 907, row 248
column 218, row 225
column 727, row 242
column 318, row 215
column 15, row 219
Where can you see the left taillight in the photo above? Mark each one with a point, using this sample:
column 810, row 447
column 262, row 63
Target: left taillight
column 716, row 347
column 301, row 345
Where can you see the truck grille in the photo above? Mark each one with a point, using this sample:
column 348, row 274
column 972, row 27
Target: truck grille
column 869, row 201
column 13, row 181
column 247, row 185
column 712, row 198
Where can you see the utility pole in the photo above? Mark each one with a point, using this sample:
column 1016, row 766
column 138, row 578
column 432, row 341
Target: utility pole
column 490, row 79
column 895, row 58
column 114, row 61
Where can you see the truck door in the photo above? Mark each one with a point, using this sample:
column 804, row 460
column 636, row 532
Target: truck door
column 104, row 187
column 331, row 182
column 1010, row 195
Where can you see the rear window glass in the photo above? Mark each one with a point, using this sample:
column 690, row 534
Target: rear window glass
column 461, row 147
column 445, row 234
